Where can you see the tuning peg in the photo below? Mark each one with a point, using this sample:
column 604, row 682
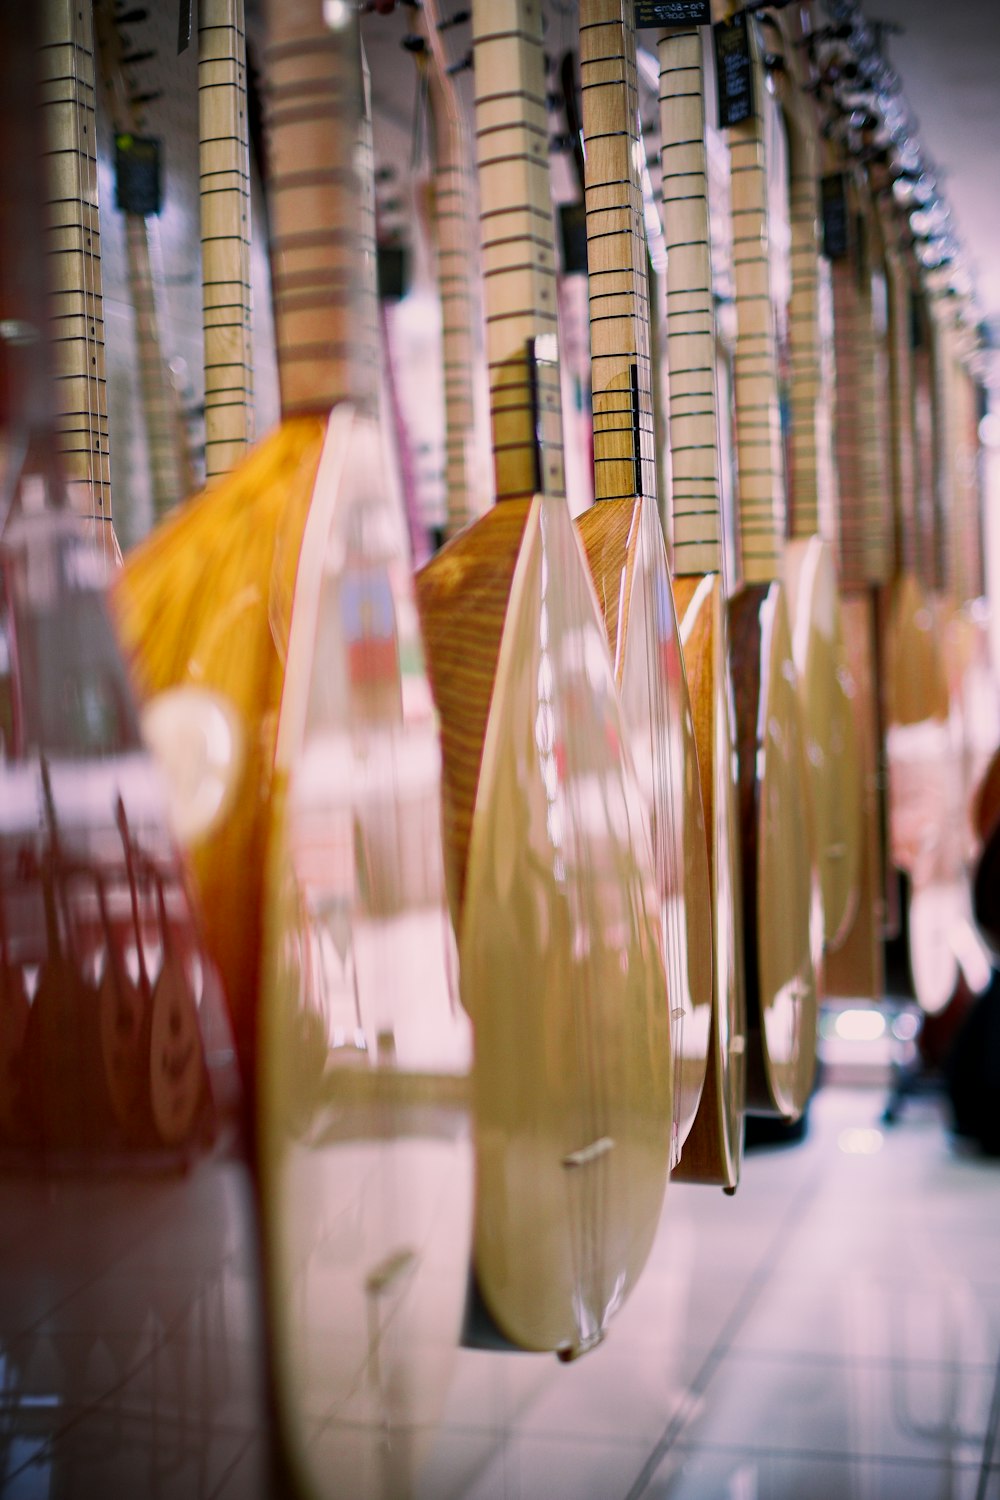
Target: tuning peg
column 131, row 17
column 132, row 59
column 460, row 66
column 414, row 44
column 149, row 97
column 459, row 18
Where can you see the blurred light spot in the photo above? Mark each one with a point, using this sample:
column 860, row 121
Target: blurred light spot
column 336, row 14
column 989, row 430
column 860, row 1025
column 860, row 1142
column 905, row 1026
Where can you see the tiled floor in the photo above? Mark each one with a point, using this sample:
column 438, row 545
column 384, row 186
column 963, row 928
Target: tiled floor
column 832, row 1331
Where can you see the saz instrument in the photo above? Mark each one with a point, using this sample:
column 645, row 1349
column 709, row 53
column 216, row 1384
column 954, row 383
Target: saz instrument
column 224, row 188
column 818, row 645
column 170, row 469
column 623, row 539
column 363, row 1055
column 87, row 1076
column 713, row 1151
column 855, row 967
column 549, row 869
column 73, row 244
column 782, row 914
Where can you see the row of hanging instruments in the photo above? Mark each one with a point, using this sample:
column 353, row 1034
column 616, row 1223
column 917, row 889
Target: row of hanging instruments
column 458, row 808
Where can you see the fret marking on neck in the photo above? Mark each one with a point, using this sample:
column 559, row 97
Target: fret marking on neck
column 518, row 252
column 224, row 183
column 691, row 333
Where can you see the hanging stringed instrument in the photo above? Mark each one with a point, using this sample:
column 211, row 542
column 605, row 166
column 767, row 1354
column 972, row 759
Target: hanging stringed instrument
column 818, row 645
column 170, row 469
column 363, row 1054
column 73, row 243
column 855, row 967
column 71, row 760
column 782, row 913
column 714, row 1147
column 224, row 190
column 549, row 869
column 623, row 539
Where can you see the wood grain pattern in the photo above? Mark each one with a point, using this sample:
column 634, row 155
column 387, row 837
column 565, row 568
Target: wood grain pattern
column 224, row 187
column 74, row 250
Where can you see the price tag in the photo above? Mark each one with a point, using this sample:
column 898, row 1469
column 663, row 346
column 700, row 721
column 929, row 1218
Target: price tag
column 649, row 13
column 573, row 234
column 138, row 175
column 836, row 231
column 733, row 70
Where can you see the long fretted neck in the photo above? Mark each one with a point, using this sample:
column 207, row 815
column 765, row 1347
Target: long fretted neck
column 224, row 182
column 805, row 481
column 691, row 332
column 74, row 250
column 875, row 403
column 923, row 441
column 322, row 247
column 758, row 424
column 455, row 230
column 621, row 368
column 519, row 263
column 900, row 384
column 170, row 467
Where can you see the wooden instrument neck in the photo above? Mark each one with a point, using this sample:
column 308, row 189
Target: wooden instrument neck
column 621, row 369
column 224, row 181
column 322, row 240
column 691, row 330
column 758, row 425
column 457, row 252
column 518, row 249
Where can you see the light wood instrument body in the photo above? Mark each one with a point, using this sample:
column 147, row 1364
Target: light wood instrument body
column 713, row 1151
column 825, row 684
column 363, row 1054
column 549, row 868
column 623, row 538
column 781, row 894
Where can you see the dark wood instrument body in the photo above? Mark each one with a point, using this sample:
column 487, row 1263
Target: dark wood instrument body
column 782, row 913
column 714, row 1148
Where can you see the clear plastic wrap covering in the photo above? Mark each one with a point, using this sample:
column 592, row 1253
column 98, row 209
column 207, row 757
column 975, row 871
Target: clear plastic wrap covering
column 561, row 963
column 365, row 1052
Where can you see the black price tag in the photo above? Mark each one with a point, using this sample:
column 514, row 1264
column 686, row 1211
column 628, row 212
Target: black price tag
column 573, row 235
column 836, row 229
column 650, row 13
column 138, row 175
column 733, row 70
column 392, row 268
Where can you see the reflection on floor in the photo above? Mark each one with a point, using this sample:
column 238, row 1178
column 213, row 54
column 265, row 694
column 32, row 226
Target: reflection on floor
column 831, row 1332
